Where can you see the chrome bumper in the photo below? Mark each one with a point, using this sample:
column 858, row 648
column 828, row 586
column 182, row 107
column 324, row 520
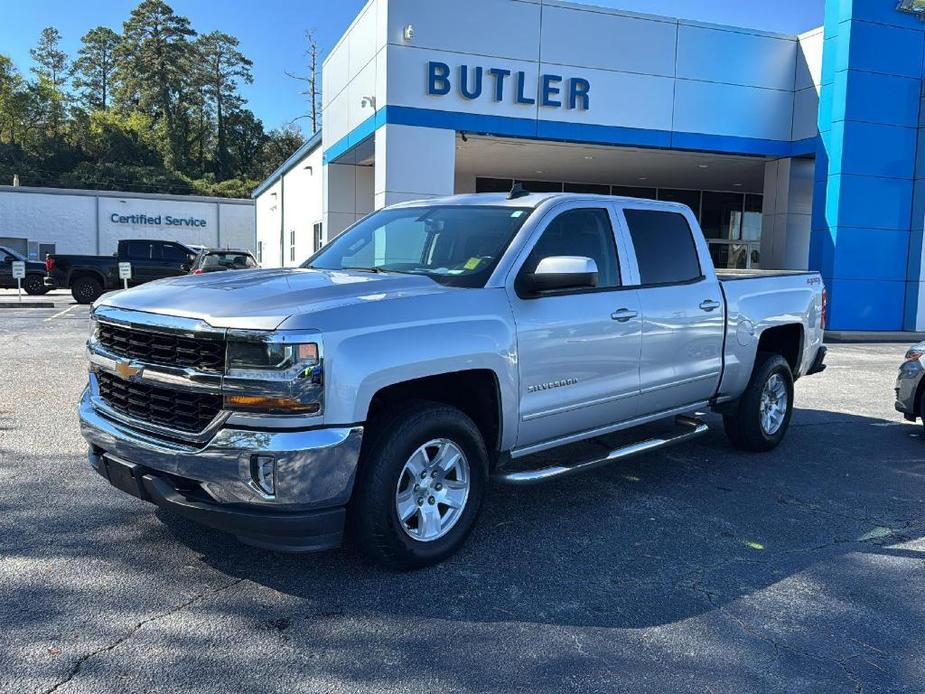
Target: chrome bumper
column 907, row 388
column 315, row 468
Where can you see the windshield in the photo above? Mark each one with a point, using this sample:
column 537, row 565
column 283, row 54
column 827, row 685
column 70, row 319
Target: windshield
column 456, row 245
column 214, row 261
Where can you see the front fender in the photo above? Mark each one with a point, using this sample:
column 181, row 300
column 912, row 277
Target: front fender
column 405, row 340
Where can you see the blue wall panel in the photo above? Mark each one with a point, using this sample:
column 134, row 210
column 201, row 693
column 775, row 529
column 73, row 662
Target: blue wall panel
column 879, row 48
column 866, row 304
column 871, row 254
column 872, row 149
column 875, row 98
column 866, row 162
column 868, row 202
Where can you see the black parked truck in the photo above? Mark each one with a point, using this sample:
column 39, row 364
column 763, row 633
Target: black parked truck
column 89, row 276
column 35, row 272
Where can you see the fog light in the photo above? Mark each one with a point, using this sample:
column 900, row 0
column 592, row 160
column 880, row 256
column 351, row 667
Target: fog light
column 263, row 472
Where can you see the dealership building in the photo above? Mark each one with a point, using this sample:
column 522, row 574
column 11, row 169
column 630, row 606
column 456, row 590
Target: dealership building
column 37, row 221
column 794, row 151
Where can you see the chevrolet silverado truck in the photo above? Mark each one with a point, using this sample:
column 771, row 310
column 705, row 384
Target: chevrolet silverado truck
column 88, row 276
column 431, row 348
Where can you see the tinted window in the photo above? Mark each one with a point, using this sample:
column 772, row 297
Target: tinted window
column 665, row 249
column 140, row 250
column 634, row 192
column 691, row 198
column 584, row 233
column 493, row 185
column 721, row 215
column 173, row 252
column 542, row 186
column 590, row 188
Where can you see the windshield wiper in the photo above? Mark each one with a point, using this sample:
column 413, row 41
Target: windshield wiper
column 376, row 270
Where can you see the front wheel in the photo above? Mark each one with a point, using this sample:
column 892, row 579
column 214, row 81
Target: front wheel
column 762, row 417
column 423, row 475
column 34, row 285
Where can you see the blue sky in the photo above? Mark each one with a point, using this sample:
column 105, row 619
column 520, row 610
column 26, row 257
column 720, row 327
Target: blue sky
column 272, row 31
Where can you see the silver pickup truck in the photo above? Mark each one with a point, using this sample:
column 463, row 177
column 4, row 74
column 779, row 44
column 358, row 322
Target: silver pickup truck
column 432, row 347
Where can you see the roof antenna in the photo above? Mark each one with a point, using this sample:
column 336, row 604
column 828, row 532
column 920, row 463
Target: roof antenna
column 517, row 191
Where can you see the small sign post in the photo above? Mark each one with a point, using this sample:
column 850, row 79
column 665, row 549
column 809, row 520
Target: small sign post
column 19, row 272
column 125, row 273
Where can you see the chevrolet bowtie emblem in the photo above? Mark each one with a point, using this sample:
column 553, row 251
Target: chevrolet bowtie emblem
column 126, row 370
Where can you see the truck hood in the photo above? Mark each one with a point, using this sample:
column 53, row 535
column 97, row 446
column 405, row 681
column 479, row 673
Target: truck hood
column 263, row 299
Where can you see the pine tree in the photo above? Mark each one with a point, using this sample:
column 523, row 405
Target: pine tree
column 222, row 68
column 153, row 64
column 51, row 70
column 93, row 69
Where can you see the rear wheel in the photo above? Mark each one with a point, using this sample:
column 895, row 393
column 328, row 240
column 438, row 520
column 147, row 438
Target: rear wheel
column 34, row 284
column 86, row 290
column 762, row 416
column 422, row 478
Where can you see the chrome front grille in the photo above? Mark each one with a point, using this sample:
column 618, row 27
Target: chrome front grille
column 201, row 353
column 182, row 410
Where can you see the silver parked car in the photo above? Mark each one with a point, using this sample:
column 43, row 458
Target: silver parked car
column 909, row 384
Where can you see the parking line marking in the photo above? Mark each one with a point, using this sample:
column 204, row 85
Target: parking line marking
column 61, row 313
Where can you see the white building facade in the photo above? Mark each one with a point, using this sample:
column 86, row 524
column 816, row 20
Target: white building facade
column 36, row 221
column 773, row 140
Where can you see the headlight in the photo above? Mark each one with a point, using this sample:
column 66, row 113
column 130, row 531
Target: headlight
column 273, row 356
column 276, row 373
column 914, row 354
column 93, row 335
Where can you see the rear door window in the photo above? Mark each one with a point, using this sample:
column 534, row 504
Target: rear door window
column 174, row 252
column 664, row 244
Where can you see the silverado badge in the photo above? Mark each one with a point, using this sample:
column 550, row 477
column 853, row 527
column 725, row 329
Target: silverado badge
column 126, row 370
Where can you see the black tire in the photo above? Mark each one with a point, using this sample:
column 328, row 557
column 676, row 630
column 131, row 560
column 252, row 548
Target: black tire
column 86, row 290
column 34, row 285
column 374, row 521
column 743, row 427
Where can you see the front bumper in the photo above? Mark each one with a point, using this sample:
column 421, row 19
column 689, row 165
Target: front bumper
column 211, row 483
column 907, row 388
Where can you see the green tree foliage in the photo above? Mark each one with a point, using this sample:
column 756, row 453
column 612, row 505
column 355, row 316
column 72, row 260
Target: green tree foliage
column 156, row 108
column 93, row 69
column 222, row 68
column 51, row 70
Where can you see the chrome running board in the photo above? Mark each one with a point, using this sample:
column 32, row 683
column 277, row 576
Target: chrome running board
column 691, row 428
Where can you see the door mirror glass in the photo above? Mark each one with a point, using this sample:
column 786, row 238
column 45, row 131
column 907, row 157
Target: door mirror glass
column 562, row 272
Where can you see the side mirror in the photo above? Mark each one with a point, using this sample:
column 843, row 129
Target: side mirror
column 562, row 272
column 8, row 260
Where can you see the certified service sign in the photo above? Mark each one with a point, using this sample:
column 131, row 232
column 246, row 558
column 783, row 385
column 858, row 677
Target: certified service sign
column 916, row 7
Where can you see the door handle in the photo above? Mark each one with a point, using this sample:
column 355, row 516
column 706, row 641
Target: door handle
column 709, row 305
column 624, row 314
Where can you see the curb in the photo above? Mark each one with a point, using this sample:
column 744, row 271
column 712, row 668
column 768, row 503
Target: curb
column 28, row 304
column 872, row 336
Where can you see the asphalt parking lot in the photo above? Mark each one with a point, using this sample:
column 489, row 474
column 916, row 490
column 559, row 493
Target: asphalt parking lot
column 697, row 569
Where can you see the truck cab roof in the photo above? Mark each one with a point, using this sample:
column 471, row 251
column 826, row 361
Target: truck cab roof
column 533, row 200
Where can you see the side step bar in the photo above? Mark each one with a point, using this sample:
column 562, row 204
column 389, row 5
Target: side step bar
column 691, row 428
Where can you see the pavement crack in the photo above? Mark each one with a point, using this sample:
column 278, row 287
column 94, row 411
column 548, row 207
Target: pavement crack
column 79, row 663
